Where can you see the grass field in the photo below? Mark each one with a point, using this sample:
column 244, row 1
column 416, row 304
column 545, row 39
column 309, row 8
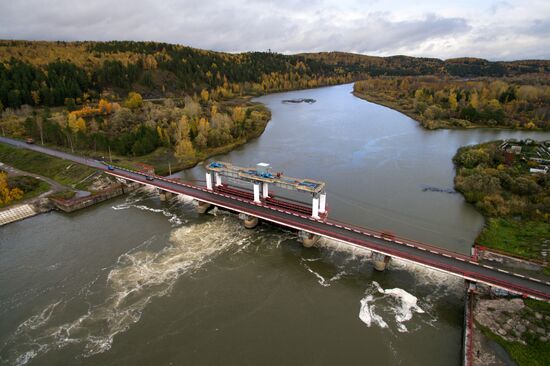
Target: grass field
column 522, row 238
column 62, row 171
column 535, row 353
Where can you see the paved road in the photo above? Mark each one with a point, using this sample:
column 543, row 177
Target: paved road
column 79, row 159
column 432, row 257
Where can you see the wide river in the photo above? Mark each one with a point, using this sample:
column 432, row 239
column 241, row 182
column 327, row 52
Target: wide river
column 135, row 281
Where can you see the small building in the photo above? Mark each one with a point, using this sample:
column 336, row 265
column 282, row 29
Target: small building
column 514, row 149
column 511, row 147
column 540, row 169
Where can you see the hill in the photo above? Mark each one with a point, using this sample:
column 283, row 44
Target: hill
column 466, row 67
column 41, row 73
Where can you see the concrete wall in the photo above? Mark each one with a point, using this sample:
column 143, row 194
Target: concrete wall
column 83, row 202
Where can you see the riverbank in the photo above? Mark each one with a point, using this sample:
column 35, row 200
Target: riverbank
column 509, row 330
column 164, row 161
column 51, row 182
column 169, row 135
column 512, row 198
column 446, row 102
column 456, row 124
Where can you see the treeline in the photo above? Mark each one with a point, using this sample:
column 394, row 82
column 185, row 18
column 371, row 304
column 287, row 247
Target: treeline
column 49, row 73
column 154, row 69
column 416, row 66
column 519, row 102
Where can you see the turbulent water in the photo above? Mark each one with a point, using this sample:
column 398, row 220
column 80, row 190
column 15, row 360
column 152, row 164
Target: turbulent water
column 135, row 281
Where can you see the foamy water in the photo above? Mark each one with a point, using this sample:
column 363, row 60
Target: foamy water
column 117, row 297
column 394, row 307
column 398, row 302
column 138, row 276
column 134, row 200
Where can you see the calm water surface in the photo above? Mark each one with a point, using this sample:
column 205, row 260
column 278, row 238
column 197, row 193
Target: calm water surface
column 136, row 282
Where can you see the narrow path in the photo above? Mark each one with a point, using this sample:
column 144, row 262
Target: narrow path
column 54, row 186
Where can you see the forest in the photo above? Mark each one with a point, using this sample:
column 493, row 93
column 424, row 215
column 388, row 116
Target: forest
column 138, row 99
column 51, row 73
column 189, row 128
column 39, row 73
column 509, row 102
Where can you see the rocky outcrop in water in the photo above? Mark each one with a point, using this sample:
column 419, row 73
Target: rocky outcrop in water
column 300, row 100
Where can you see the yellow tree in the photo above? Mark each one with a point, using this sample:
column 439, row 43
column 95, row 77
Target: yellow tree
column 134, row 100
column 184, row 150
column 213, row 111
column 104, row 106
column 76, row 124
column 8, row 194
column 202, row 134
column 182, row 129
column 474, row 100
column 205, row 95
column 453, row 103
column 238, row 114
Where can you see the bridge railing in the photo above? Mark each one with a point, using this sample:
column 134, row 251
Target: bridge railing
column 369, row 232
column 392, row 252
column 401, row 240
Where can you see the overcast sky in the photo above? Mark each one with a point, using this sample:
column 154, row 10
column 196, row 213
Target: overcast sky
column 496, row 30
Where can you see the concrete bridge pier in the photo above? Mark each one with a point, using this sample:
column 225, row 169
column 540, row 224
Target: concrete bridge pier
column 380, row 261
column 307, row 239
column 201, row 207
column 164, row 195
column 250, row 222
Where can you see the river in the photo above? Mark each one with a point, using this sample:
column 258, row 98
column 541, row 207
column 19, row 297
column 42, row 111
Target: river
column 134, row 281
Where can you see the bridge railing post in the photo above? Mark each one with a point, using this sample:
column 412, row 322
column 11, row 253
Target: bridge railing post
column 265, row 190
column 218, row 179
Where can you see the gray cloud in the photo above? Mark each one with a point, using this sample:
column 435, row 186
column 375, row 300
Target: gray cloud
column 285, row 26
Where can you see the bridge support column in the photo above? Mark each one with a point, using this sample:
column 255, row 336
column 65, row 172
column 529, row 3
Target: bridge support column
column 250, row 222
column 201, row 207
column 322, row 203
column 209, row 181
column 315, row 208
column 164, row 195
column 218, row 179
column 307, row 239
column 265, row 190
column 257, row 193
column 380, row 261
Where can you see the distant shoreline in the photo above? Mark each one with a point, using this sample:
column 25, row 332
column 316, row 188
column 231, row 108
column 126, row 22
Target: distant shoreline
column 443, row 125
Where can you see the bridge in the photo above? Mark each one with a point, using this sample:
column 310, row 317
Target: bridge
column 312, row 224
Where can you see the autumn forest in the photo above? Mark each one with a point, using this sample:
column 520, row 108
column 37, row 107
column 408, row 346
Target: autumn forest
column 137, row 98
